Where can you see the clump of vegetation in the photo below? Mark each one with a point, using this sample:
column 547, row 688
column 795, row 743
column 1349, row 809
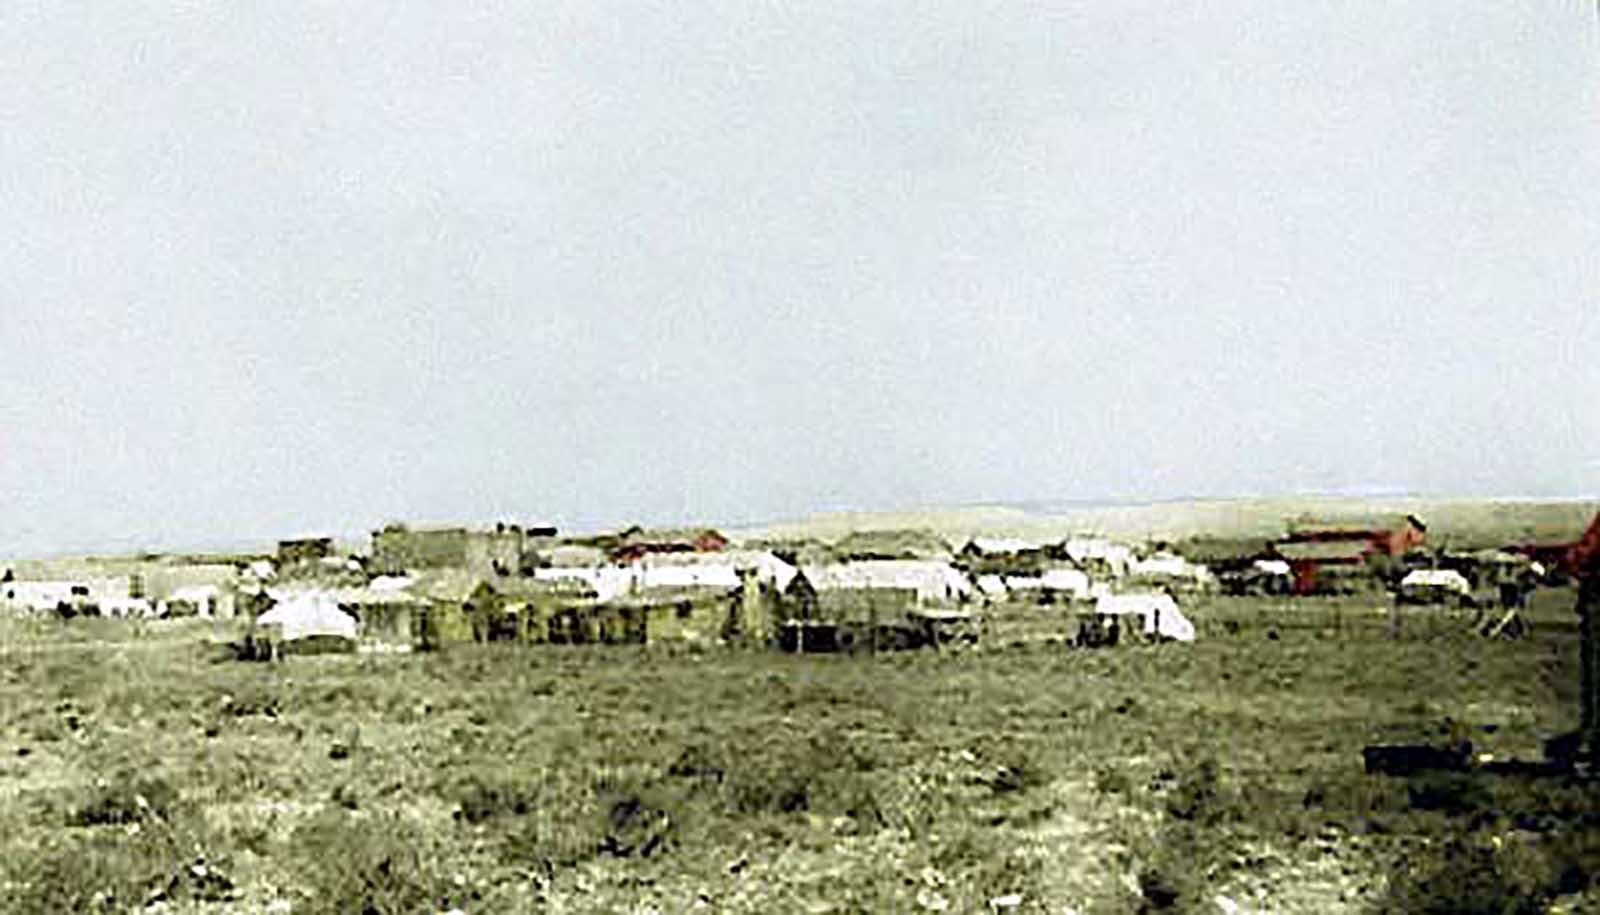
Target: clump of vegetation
column 126, row 798
column 1011, row 768
column 157, row 856
column 1159, row 891
column 1463, row 879
column 482, row 798
column 699, row 761
column 102, row 872
column 1200, row 796
column 638, row 825
column 383, row 865
column 1452, row 793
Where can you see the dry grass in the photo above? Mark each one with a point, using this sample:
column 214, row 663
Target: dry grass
column 138, row 768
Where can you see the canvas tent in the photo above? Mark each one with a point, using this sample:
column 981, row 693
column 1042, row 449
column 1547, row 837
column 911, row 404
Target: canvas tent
column 1000, row 546
column 1113, row 557
column 1425, row 585
column 609, row 582
column 1068, row 581
column 1158, row 613
column 992, row 587
column 1272, row 567
column 1163, row 566
column 309, row 614
column 930, row 581
column 191, row 600
column 1444, row 579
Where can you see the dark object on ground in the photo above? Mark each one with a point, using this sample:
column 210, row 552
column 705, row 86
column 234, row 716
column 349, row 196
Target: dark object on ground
column 1507, row 625
column 1564, row 748
column 637, row 829
column 1409, row 759
column 1519, row 768
column 809, row 637
column 1159, row 892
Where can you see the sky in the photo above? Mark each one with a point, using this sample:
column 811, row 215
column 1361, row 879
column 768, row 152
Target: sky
column 282, row 269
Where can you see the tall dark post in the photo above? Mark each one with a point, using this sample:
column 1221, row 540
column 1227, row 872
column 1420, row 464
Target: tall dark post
column 1584, row 561
column 1589, row 665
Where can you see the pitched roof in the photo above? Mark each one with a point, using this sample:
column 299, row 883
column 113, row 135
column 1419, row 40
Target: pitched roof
column 370, row 597
column 1354, row 524
column 989, row 546
column 1324, row 550
column 894, row 544
column 930, row 578
column 572, row 555
column 1220, row 550
column 535, row 588
column 638, row 535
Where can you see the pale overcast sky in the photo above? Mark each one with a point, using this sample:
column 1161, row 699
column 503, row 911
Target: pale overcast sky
column 288, row 268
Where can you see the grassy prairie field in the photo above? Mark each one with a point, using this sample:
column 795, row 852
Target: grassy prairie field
column 137, row 768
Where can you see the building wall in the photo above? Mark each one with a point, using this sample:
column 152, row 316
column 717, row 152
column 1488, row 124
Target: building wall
column 494, row 551
column 863, row 604
column 311, row 549
column 395, row 624
column 395, row 550
column 444, row 623
column 688, row 620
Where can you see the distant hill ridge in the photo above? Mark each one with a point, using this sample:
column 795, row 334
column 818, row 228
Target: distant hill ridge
column 1477, row 521
column 1451, row 521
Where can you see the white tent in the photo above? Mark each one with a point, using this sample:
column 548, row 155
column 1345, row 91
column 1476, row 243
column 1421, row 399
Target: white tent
column 309, row 613
column 1116, row 555
column 1443, row 579
column 608, row 582
column 1170, row 566
column 991, row 586
column 42, row 596
column 388, row 584
column 1272, row 567
column 932, row 580
column 203, row 598
column 1071, row 581
column 999, row 546
column 1158, row 612
column 694, row 575
column 720, row 569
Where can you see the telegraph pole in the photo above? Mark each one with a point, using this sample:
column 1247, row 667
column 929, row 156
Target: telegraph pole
column 1585, row 563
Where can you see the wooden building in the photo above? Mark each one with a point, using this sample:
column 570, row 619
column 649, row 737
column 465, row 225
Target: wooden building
column 494, row 551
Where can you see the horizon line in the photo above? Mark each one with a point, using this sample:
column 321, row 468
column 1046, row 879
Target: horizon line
column 1044, row 508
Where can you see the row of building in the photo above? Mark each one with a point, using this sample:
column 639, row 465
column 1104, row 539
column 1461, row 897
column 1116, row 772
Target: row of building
column 424, row 586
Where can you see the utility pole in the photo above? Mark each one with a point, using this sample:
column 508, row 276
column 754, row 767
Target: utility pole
column 1589, row 646
column 1584, row 561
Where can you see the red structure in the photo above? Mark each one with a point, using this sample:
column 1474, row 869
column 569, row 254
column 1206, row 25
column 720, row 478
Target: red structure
column 1555, row 557
column 1312, row 548
column 1583, row 557
column 636, row 543
column 1391, row 536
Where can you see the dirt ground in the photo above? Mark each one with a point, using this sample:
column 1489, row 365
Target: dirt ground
column 139, row 769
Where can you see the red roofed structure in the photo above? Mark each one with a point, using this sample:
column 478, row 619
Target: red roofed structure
column 1584, row 557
